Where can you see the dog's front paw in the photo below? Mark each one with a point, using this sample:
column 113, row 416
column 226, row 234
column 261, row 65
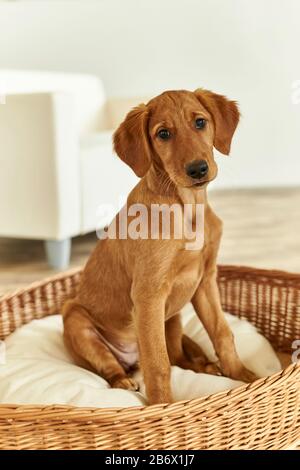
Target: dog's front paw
column 243, row 374
column 126, row 383
column 247, row 376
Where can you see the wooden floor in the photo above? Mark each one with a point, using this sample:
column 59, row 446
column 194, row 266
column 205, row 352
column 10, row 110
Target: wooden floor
column 261, row 228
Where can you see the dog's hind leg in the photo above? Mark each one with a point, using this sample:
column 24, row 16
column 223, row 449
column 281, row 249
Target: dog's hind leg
column 194, row 352
column 85, row 345
column 184, row 352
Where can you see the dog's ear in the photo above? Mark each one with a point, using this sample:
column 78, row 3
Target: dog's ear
column 225, row 115
column 131, row 142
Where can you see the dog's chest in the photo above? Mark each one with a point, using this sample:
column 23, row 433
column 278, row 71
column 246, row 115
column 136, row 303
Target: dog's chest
column 186, row 281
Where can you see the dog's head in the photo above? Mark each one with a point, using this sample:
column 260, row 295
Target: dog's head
column 177, row 131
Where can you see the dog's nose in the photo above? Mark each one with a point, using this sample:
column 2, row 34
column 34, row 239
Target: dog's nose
column 197, row 169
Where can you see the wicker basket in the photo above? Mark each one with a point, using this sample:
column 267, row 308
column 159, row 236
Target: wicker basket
column 263, row 415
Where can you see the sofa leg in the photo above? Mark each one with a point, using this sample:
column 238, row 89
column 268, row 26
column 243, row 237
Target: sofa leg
column 58, row 253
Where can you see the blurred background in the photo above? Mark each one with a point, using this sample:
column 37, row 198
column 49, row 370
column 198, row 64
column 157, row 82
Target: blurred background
column 69, row 72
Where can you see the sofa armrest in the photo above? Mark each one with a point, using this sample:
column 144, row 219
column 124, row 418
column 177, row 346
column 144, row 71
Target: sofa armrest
column 39, row 160
column 117, row 108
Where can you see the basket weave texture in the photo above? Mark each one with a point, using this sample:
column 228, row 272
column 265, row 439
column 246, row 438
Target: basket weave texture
column 262, row 415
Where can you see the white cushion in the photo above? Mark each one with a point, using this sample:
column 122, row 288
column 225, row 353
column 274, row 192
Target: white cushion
column 39, row 370
column 105, row 181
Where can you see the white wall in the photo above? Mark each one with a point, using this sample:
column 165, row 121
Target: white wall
column 247, row 49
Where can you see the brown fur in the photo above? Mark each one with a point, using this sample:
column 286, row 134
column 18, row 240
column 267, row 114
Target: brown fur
column 132, row 291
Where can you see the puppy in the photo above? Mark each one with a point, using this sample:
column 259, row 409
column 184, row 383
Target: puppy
column 127, row 308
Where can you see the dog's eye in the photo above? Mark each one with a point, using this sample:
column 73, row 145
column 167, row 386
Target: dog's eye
column 200, row 123
column 164, row 134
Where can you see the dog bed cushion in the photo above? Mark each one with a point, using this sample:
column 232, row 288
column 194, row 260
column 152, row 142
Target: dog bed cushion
column 39, row 370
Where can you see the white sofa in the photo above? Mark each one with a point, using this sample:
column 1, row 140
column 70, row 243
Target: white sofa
column 56, row 158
